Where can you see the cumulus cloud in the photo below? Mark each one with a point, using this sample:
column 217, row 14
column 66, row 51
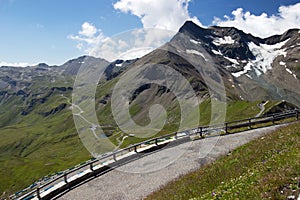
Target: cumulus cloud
column 15, row 64
column 88, row 34
column 88, row 37
column 162, row 14
column 88, row 30
column 126, row 45
column 161, row 19
column 263, row 25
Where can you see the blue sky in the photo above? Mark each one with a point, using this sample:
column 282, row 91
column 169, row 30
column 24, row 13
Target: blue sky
column 53, row 31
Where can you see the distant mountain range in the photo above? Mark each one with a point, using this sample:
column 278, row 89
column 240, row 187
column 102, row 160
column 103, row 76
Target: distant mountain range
column 35, row 109
column 253, row 68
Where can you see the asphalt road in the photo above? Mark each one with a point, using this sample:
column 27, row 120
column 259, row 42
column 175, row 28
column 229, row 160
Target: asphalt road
column 141, row 177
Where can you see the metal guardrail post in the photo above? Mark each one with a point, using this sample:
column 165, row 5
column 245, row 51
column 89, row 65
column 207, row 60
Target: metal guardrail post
column 91, row 167
column 250, row 123
column 114, row 156
column 201, row 131
column 297, row 115
column 156, row 142
column 176, row 136
column 273, row 119
column 135, row 149
column 226, row 127
column 38, row 193
column 65, row 178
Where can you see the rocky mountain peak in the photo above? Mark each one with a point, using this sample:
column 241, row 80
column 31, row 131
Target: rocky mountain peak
column 257, row 64
column 191, row 28
column 229, row 41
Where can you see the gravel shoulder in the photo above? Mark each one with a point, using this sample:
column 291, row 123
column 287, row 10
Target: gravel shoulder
column 141, row 177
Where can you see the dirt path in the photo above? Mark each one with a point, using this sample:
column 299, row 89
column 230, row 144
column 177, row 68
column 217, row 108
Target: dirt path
column 119, row 185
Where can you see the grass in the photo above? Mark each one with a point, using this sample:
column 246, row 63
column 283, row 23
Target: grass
column 8, row 110
column 245, row 109
column 31, row 152
column 35, row 146
column 266, row 168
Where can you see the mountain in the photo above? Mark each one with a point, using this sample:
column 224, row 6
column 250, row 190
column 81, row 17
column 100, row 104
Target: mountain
column 257, row 68
column 250, row 68
column 221, row 64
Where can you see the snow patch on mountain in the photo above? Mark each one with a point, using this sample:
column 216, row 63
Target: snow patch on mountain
column 221, row 41
column 232, row 60
column 281, row 63
column 289, row 71
column 249, row 76
column 195, row 42
column 294, row 75
column 264, row 57
column 217, row 52
column 247, row 68
column 119, row 64
column 192, row 51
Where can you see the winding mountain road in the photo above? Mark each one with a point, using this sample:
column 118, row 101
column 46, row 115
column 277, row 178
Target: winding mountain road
column 120, row 184
column 262, row 108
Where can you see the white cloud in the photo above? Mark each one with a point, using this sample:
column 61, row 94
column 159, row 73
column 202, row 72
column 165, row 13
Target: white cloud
column 161, row 19
column 88, row 38
column 263, row 25
column 16, row 64
column 88, row 30
column 127, row 45
column 161, row 14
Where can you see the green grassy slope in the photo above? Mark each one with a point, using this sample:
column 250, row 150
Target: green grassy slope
column 266, row 168
column 38, row 145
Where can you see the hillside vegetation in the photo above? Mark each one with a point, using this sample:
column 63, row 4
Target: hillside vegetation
column 266, row 168
column 40, row 146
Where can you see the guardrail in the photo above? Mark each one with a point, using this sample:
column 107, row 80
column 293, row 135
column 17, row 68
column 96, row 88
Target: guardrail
column 91, row 168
